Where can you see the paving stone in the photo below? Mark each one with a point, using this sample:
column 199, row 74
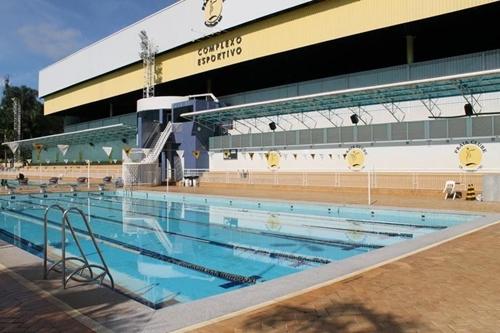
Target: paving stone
column 454, row 287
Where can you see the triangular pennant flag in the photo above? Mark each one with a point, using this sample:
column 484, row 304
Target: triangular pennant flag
column 295, row 156
column 180, row 153
column 127, row 150
column 13, row 146
column 63, row 149
column 331, row 156
column 313, row 155
column 28, row 161
column 38, row 146
column 38, row 149
column 266, row 155
column 251, row 155
column 196, row 154
column 107, row 150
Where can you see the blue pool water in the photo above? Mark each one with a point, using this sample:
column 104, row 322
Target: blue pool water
column 165, row 249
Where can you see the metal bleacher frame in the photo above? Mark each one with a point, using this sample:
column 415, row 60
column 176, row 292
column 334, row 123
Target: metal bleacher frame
column 387, row 134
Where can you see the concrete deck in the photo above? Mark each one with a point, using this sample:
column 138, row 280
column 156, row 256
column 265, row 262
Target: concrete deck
column 450, row 288
column 454, row 287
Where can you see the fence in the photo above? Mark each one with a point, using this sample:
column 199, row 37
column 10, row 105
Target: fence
column 378, row 180
column 141, row 173
column 67, row 173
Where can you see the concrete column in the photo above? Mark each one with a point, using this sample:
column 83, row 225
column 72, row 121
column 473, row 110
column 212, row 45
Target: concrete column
column 139, row 131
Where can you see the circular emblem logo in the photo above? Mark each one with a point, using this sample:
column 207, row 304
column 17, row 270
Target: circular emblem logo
column 470, row 157
column 273, row 223
column 213, row 12
column 273, row 160
column 356, row 235
column 356, row 159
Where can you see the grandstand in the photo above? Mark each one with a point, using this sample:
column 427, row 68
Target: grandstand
column 402, row 94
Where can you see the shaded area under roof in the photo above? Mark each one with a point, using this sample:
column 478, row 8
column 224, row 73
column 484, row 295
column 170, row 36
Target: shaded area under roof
column 439, row 87
column 99, row 134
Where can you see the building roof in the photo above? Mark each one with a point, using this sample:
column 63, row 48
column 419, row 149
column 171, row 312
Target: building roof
column 99, row 134
column 439, row 87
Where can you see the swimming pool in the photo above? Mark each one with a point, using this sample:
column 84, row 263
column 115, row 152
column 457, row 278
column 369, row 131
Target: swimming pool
column 164, row 249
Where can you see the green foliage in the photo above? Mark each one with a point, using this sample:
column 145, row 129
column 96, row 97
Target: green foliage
column 33, row 122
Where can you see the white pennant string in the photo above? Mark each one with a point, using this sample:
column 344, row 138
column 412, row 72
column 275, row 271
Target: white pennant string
column 63, row 149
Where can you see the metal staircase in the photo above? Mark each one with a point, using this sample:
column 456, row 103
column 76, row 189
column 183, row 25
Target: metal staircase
column 153, row 136
column 154, row 153
column 83, row 272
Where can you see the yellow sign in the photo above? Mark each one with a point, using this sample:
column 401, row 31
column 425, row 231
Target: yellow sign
column 38, row 148
column 213, row 12
column 470, row 156
column 273, row 160
column 356, row 158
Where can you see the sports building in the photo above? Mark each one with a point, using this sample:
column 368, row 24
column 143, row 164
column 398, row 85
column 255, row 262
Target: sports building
column 284, row 87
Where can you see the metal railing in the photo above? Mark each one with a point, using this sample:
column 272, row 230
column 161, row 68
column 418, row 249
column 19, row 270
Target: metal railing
column 77, row 274
column 153, row 136
column 65, row 174
column 376, row 179
column 447, row 130
column 194, row 172
column 153, row 155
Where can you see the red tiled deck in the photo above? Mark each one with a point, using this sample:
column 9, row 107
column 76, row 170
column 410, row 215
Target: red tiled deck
column 23, row 310
column 454, row 287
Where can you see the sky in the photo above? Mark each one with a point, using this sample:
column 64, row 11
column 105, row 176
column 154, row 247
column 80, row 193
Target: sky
column 37, row 33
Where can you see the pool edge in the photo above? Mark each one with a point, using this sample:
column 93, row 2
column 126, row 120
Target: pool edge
column 174, row 319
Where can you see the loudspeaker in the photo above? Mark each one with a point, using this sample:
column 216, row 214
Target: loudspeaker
column 469, row 111
column 354, row 119
column 272, row 125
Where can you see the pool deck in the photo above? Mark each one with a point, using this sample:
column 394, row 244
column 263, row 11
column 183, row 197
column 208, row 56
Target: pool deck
column 453, row 287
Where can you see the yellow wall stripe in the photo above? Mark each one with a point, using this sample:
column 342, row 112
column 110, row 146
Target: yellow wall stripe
column 320, row 22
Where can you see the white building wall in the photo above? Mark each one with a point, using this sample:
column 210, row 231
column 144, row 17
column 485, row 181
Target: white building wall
column 425, row 158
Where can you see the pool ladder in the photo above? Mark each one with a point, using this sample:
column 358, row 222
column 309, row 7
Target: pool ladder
column 78, row 273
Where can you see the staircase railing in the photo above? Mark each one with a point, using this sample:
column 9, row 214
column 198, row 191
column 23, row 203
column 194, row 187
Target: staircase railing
column 153, row 137
column 158, row 147
column 76, row 274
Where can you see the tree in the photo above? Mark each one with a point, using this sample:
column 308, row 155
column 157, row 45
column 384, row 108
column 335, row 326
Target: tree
column 33, row 122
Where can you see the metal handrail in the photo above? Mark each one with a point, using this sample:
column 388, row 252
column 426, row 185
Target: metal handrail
column 63, row 244
column 74, row 275
column 156, row 150
column 104, row 267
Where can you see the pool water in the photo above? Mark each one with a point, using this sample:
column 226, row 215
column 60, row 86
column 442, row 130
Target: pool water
column 164, row 249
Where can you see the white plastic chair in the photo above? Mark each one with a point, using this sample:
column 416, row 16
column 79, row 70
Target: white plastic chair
column 449, row 189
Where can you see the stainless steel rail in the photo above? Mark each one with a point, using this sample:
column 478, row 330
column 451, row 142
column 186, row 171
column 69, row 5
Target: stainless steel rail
column 76, row 274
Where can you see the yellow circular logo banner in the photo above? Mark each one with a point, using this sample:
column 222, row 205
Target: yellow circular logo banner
column 470, row 157
column 273, row 159
column 356, row 159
